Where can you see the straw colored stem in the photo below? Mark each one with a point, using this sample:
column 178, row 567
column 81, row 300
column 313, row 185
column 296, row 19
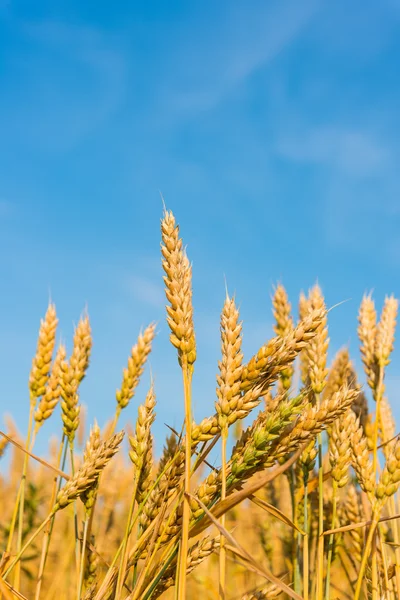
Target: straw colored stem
column 396, row 537
column 77, row 549
column 186, row 507
column 331, row 540
column 62, row 455
column 26, row 546
column 83, row 557
column 365, row 556
column 320, row 549
column 124, row 557
column 22, row 496
column 306, row 541
column 222, row 553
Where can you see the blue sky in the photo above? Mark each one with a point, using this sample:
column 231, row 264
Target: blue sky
column 271, row 129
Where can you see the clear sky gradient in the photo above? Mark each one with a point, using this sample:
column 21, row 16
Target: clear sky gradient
column 271, row 129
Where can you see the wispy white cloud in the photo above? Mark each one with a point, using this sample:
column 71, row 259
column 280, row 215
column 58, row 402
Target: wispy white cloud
column 355, row 153
column 239, row 42
column 146, row 290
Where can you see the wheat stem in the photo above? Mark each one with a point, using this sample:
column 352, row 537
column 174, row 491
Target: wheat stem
column 22, row 495
column 222, row 553
column 366, row 555
column 331, row 542
column 187, row 377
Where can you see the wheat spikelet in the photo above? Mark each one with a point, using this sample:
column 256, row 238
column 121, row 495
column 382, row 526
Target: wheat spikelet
column 313, row 420
column 340, row 448
column 360, row 405
column 70, row 407
column 264, row 368
column 270, row 438
column 134, row 370
column 251, row 454
column 169, row 451
column 339, row 372
column 389, row 480
column 304, row 310
column 141, row 445
column 354, row 514
column 178, row 289
column 92, row 446
column 72, row 373
column 269, row 592
column 306, row 462
column 367, row 331
column 248, row 456
column 90, row 592
column 385, row 332
column 387, row 426
column 360, row 459
column 44, row 352
column 145, row 479
column 88, row 473
column 318, row 346
column 52, row 391
column 261, row 372
column 197, row 554
column 79, row 360
column 230, row 367
column 169, row 480
column 3, row 445
column 284, row 324
column 91, row 568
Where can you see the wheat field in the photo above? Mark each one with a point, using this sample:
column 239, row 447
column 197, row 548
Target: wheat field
column 304, row 506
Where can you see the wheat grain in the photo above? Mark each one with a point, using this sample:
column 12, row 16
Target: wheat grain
column 284, row 324
column 318, row 345
column 134, row 370
column 367, row 330
column 178, row 289
column 44, row 352
column 88, row 473
column 230, row 367
column 52, row 391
